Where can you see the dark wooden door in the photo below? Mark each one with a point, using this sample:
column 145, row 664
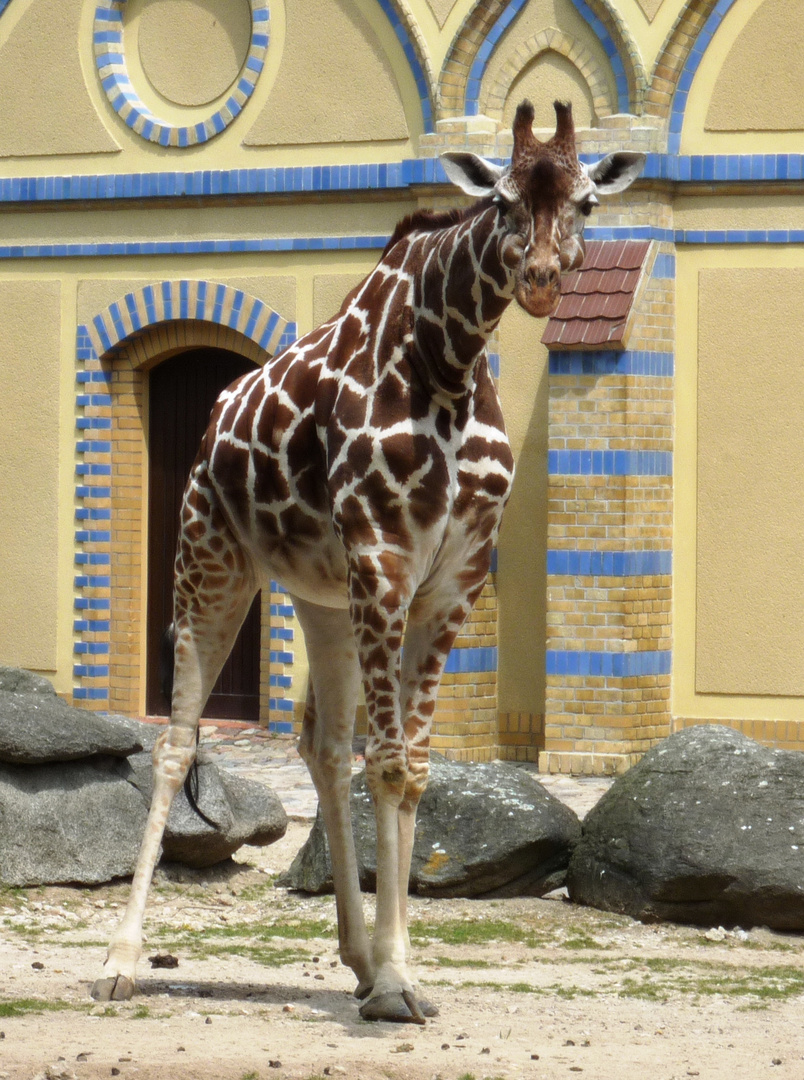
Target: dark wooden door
column 182, row 391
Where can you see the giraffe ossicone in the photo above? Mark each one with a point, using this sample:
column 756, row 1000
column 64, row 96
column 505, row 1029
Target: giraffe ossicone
column 366, row 469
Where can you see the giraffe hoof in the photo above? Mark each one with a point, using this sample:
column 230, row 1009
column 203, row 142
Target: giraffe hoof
column 117, row 988
column 396, row 1008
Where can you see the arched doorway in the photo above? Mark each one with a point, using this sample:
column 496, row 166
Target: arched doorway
column 182, row 391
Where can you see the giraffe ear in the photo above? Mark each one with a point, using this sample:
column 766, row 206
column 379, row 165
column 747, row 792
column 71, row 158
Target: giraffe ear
column 472, row 174
column 615, row 172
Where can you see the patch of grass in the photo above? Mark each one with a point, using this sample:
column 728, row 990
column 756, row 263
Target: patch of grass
column 296, row 930
column 581, row 941
column 250, row 1076
column 475, row 932
column 445, row 961
column 22, row 1006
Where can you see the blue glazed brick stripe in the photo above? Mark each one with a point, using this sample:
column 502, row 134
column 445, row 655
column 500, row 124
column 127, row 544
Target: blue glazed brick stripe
column 476, row 659
column 609, row 463
column 609, row 563
column 617, row 665
column 609, row 362
column 192, row 247
column 370, row 243
column 92, row 481
column 734, row 168
column 689, row 71
column 110, row 61
column 409, row 50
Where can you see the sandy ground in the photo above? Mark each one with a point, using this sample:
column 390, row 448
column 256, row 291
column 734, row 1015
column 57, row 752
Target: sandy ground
column 526, row 988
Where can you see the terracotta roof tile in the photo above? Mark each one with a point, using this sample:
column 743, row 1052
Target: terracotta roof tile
column 596, row 300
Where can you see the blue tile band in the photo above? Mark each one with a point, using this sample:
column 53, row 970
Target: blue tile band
column 609, row 362
column 609, row 463
column 370, row 243
column 617, row 665
column 472, row 660
column 614, row 564
column 400, row 175
column 110, row 61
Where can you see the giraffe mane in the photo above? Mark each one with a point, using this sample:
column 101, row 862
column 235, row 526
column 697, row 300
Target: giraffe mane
column 433, row 220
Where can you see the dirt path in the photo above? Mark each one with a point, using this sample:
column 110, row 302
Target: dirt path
column 526, row 988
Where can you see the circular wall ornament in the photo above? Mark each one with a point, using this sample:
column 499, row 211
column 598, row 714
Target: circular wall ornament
column 110, row 60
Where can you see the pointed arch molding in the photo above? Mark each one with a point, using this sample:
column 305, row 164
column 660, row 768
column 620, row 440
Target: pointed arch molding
column 679, row 59
column 484, row 26
column 113, row 353
column 416, row 52
column 492, row 99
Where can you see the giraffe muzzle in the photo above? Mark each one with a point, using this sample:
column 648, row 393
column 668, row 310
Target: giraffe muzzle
column 538, row 288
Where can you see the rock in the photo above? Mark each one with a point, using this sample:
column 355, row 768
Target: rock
column 18, row 681
column 708, row 828
column 482, row 830
column 68, row 823
column 244, row 812
column 83, row 821
column 37, row 727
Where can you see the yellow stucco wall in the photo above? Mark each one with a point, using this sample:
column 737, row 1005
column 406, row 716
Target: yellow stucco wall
column 737, row 546
column 31, row 391
column 747, row 93
column 750, row 570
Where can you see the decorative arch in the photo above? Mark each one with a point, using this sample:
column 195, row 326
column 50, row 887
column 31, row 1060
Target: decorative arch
column 492, row 99
column 677, row 63
column 414, row 45
column 114, row 352
column 110, row 60
column 484, row 26
column 200, row 300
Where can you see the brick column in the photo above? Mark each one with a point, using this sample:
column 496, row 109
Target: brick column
column 609, row 560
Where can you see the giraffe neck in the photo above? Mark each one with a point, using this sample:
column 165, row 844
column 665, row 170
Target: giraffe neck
column 460, row 293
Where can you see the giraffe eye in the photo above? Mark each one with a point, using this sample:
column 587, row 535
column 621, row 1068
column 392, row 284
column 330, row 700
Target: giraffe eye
column 587, row 208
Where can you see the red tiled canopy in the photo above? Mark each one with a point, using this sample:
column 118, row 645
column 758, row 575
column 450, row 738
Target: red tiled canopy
column 596, row 300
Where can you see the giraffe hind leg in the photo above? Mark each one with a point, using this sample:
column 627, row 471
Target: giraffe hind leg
column 211, row 599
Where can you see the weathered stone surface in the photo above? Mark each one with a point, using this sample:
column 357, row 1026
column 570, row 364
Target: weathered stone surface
column 37, row 727
column 708, row 828
column 482, row 830
column 59, row 823
column 244, row 812
column 18, row 681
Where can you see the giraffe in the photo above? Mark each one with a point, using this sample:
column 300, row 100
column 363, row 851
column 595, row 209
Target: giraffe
column 366, row 468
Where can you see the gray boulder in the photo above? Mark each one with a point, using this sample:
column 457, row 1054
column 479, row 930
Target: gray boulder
column 83, row 821
column 38, row 727
column 708, row 828
column 19, row 681
column 75, row 789
column 68, row 823
column 487, row 830
column 243, row 812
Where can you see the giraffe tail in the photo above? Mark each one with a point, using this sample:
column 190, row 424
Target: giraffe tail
column 166, row 663
column 166, row 669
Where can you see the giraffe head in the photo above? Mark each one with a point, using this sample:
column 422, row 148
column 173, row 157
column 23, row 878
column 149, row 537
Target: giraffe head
column 544, row 196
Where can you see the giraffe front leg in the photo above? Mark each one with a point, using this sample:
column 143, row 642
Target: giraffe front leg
column 173, row 755
column 326, row 746
column 432, row 627
column 378, row 606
